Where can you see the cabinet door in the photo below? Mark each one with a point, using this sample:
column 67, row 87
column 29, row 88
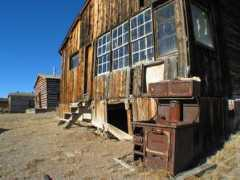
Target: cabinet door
column 157, row 148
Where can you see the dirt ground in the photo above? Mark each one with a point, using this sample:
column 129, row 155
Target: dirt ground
column 32, row 146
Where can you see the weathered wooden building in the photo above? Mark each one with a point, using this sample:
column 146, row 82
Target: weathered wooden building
column 20, row 102
column 47, row 94
column 116, row 48
column 3, row 105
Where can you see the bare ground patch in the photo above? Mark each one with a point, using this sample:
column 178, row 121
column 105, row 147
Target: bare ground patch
column 32, row 146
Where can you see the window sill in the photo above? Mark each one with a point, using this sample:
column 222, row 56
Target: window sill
column 103, row 74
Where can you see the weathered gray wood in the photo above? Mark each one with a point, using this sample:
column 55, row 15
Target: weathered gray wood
column 196, row 171
column 125, row 165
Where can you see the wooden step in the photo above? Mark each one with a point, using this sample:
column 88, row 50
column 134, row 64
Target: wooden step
column 63, row 121
column 139, row 153
column 67, row 115
column 74, row 105
column 79, row 112
column 119, row 134
column 70, row 113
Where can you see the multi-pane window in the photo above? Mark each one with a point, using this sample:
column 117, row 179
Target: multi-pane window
column 201, row 24
column 165, row 30
column 74, row 61
column 120, row 50
column 142, row 37
column 103, row 53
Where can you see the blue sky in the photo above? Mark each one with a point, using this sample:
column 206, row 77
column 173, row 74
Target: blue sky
column 31, row 32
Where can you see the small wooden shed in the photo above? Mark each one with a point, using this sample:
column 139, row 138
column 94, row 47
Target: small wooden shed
column 3, row 105
column 47, row 92
column 20, row 102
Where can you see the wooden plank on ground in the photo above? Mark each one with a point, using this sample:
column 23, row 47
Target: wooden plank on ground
column 196, row 171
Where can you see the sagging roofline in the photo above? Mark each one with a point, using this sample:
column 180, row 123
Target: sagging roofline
column 77, row 18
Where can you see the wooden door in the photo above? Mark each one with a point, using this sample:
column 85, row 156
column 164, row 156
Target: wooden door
column 75, row 85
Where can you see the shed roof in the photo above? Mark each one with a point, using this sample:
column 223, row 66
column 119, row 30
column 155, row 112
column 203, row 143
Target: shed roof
column 46, row 77
column 3, row 99
column 21, row 94
column 77, row 18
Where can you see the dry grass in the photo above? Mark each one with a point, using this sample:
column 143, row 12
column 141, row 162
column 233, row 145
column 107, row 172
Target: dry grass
column 227, row 161
column 33, row 145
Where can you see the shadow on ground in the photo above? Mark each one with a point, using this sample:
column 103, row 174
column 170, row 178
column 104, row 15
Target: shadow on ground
column 3, row 130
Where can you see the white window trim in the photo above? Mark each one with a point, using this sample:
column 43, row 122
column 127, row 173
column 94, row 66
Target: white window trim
column 139, row 38
column 121, row 46
column 107, row 43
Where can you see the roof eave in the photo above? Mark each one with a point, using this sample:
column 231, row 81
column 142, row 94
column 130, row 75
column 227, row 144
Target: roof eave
column 77, row 18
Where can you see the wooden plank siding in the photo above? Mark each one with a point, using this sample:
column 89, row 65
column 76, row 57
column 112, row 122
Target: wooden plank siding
column 20, row 102
column 47, row 91
column 3, row 105
column 41, row 93
column 229, row 26
column 53, row 92
column 206, row 62
column 97, row 18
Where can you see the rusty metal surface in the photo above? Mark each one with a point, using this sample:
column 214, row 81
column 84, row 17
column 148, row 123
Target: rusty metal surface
column 163, row 113
column 191, row 113
column 178, row 111
column 175, row 111
column 159, row 89
column 184, row 89
column 175, row 88
column 138, row 139
column 165, row 146
column 158, row 142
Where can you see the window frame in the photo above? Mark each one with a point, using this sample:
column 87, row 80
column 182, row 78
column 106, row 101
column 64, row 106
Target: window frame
column 210, row 24
column 131, row 65
column 108, row 52
column 70, row 61
column 146, row 61
column 158, row 54
column 123, row 45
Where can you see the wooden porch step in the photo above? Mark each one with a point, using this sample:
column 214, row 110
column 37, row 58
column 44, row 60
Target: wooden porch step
column 70, row 113
column 63, row 121
column 74, row 105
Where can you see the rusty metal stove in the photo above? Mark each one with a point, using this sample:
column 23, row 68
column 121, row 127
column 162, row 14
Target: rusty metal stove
column 168, row 143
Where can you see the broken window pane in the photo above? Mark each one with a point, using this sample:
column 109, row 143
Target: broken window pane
column 201, row 25
column 165, row 29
